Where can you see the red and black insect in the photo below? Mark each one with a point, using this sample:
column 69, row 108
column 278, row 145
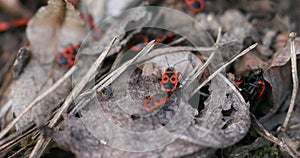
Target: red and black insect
column 153, row 102
column 238, row 80
column 195, row 5
column 252, row 86
column 169, row 81
column 67, row 57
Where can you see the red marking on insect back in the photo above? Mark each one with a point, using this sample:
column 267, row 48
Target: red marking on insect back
column 238, row 80
column 262, row 86
column 169, row 81
column 155, row 101
column 67, row 57
column 195, row 5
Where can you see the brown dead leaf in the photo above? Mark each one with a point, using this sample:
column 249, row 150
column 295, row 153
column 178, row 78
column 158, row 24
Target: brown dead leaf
column 54, row 27
column 224, row 120
column 34, row 80
column 76, row 138
column 51, row 29
column 278, row 75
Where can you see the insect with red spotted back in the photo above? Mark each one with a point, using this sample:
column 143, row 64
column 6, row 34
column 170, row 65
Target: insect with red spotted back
column 195, row 5
column 169, row 83
column 67, row 57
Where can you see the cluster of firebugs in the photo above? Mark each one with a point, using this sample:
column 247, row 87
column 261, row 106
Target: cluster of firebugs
column 252, row 87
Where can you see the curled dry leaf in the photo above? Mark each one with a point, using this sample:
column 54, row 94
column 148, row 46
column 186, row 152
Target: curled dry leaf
column 224, row 120
column 49, row 31
column 278, row 75
column 54, row 27
column 129, row 92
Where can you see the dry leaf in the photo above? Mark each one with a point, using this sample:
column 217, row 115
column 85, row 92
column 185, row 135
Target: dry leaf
column 278, row 75
column 76, row 138
column 49, row 31
column 54, row 27
column 224, row 120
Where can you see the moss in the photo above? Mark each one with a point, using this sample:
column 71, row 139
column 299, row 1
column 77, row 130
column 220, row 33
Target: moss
column 268, row 151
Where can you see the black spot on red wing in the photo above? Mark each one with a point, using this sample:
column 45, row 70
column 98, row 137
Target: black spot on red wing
column 165, row 78
column 63, row 60
column 169, row 86
column 75, row 52
column 196, row 5
column 173, row 79
column 169, row 74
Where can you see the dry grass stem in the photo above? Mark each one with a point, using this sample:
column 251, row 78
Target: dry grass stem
column 295, row 80
column 267, row 135
column 37, row 100
column 223, row 66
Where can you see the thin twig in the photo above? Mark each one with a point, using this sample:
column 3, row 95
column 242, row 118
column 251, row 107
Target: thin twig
column 37, row 100
column 177, row 41
column 219, row 35
column 14, row 139
column 267, row 135
column 197, row 73
column 222, row 67
column 295, row 80
column 121, row 69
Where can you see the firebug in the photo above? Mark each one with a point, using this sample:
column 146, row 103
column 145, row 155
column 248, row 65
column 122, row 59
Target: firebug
column 67, row 57
column 195, row 5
